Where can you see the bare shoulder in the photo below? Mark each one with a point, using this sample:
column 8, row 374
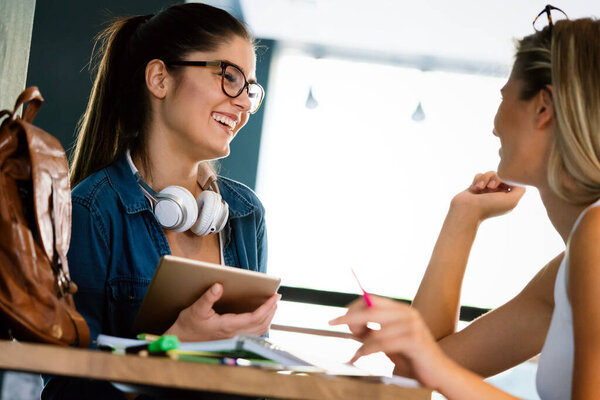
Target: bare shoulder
column 584, row 253
column 587, row 232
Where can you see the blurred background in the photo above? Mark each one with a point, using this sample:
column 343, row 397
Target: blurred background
column 376, row 114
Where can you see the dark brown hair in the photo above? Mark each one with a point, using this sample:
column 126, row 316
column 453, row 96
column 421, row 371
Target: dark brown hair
column 117, row 111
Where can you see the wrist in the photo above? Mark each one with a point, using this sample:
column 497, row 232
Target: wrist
column 172, row 331
column 465, row 214
column 184, row 333
column 448, row 371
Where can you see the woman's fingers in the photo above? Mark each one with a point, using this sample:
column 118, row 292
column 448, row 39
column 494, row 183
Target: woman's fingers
column 265, row 323
column 360, row 331
column 403, row 336
column 356, row 305
column 383, row 311
column 478, row 182
column 399, row 323
column 488, row 180
column 203, row 307
column 258, row 320
column 389, row 339
column 363, row 317
column 200, row 321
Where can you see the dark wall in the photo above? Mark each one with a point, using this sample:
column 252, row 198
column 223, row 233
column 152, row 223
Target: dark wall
column 62, row 43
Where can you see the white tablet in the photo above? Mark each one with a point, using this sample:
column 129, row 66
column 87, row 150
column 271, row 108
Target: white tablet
column 179, row 282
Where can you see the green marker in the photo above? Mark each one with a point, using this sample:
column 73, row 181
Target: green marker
column 161, row 345
column 164, row 343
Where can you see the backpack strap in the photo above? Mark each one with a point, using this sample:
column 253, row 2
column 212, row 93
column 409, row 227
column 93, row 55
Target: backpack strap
column 32, row 96
column 81, row 327
column 61, row 214
column 5, row 112
column 61, row 222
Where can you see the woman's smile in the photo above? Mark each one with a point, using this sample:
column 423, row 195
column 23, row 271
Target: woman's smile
column 227, row 122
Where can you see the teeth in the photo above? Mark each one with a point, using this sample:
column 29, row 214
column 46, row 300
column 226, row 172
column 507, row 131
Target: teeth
column 225, row 120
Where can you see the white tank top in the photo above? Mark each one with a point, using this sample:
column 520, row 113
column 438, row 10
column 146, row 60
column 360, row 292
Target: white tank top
column 555, row 368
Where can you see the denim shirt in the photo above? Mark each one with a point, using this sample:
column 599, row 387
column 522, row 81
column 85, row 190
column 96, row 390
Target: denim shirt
column 116, row 243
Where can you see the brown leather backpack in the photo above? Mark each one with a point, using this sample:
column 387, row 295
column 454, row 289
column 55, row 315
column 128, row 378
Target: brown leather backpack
column 36, row 292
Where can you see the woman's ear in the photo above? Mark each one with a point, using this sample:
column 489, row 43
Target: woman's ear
column 545, row 107
column 157, row 78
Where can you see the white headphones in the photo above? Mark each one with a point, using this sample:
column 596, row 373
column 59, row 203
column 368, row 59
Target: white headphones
column 177, row 210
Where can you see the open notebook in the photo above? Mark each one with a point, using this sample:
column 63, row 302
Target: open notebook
column 240, row 343
column 263, row 348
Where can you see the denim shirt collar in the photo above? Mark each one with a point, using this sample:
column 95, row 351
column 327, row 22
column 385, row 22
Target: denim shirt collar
column 132, row 198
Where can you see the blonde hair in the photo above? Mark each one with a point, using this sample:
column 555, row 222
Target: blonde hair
column 568, row 58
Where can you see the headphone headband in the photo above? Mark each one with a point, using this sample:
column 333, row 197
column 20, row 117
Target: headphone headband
column 177, row 209
column 210, row 179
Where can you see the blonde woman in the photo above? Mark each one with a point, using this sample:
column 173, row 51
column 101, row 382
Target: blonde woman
column 549, row 128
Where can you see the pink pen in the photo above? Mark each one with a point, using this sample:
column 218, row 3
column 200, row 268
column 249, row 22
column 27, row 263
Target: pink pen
column 365, row 294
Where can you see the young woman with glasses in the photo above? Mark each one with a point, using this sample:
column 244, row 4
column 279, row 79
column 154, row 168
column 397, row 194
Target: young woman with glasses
column 172, row 91
column 549, row 128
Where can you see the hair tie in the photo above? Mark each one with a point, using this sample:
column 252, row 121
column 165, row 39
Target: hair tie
column 140, row 22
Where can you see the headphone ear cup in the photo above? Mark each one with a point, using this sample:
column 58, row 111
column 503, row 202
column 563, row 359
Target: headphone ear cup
column 176, row 208
column 220, row 223
column 212, row 213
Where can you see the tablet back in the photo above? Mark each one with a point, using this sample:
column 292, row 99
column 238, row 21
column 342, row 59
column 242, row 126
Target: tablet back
column 179, row 282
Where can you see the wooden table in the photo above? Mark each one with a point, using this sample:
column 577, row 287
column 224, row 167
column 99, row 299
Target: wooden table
column 166, row 373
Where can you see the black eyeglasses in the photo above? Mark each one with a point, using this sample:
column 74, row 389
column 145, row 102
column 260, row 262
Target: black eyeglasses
column 547, row 10
column 233, row 81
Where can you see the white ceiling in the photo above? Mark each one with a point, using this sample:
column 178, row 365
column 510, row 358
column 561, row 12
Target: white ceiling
column 472, row 31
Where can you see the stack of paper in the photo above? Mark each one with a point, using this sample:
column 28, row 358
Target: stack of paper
column 254, row 351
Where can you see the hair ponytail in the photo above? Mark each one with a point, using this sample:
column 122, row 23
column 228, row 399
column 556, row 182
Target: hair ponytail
column 118, row 109
column 102, row 128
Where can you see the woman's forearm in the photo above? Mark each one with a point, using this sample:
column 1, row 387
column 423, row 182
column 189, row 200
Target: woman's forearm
column 458, row 383
column 438, row 297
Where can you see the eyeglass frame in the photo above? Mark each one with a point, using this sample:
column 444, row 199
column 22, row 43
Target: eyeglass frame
column 223, row 65
column 547, row 9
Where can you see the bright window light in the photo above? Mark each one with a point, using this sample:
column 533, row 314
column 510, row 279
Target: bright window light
column 356, row 182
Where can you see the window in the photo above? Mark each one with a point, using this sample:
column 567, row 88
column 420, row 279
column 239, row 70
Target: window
column 356, row 182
